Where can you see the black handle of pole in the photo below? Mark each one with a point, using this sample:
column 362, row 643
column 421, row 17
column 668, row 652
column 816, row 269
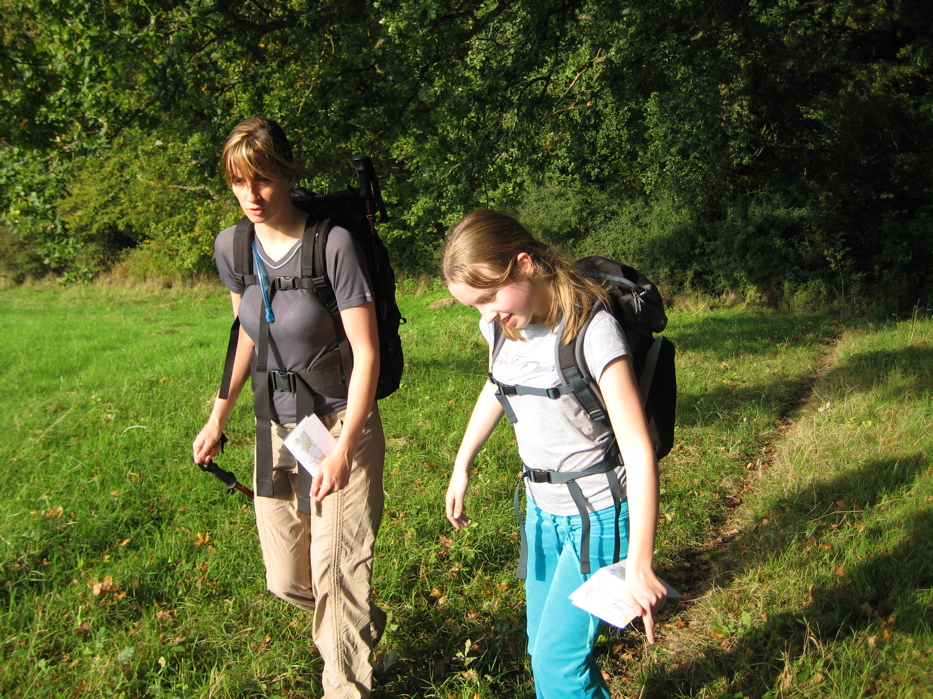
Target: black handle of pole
column 226, row 477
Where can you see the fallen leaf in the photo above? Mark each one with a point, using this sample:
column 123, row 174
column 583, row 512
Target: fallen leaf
column 83, row 628
column 54, row 512
column 103, row 587
column 838, row 570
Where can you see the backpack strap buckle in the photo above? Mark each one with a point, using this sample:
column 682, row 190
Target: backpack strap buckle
column 284, row 381
column 537, row 476
column 286, row 283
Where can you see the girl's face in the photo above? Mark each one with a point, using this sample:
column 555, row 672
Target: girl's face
column 514, row 305
column 262, row 199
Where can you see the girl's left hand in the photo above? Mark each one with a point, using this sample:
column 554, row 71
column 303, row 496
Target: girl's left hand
column 645, row 594
column 332, row 475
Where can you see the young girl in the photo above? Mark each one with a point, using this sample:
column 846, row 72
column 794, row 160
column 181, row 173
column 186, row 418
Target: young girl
column 319, row 561
column 538, row 299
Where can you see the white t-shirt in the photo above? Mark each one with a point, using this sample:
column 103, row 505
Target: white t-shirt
column 558, row 435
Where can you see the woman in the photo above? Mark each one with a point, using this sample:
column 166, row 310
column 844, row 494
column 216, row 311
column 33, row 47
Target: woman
column 533, row 299
column 317, row 556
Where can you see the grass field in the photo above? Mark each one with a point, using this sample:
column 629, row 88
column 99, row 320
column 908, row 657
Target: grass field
column 795, row 513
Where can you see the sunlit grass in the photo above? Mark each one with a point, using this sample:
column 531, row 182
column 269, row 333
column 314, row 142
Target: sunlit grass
column 128, row 572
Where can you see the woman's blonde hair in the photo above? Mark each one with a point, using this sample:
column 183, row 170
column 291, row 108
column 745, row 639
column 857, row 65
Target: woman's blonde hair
column 482, row 251
column 258, row 147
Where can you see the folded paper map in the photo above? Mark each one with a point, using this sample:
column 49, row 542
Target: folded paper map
column 602, row 595
column 310, row 442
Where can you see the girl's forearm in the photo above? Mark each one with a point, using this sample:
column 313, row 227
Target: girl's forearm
column 485, row 416
column 642, row 486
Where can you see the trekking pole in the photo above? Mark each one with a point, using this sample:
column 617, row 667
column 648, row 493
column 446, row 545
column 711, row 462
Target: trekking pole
column 369, row 185
column 228, row 478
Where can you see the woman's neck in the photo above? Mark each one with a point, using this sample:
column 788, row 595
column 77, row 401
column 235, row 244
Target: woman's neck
column 280, row 234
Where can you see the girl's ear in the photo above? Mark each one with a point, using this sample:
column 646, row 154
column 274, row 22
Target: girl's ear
column 525, row 264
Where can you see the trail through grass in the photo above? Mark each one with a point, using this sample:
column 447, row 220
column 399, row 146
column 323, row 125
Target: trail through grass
column 127, row 572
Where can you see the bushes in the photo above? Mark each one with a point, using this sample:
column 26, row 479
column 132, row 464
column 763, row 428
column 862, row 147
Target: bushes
column 761, row 247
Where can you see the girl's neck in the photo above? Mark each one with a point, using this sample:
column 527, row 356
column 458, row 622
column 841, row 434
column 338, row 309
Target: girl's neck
column 280, row 234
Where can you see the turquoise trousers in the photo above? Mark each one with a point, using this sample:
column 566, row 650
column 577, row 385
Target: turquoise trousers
column 561, row 636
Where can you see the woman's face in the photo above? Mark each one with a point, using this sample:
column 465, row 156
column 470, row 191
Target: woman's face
column 262, row 199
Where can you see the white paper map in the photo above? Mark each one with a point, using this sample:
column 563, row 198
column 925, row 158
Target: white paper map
column 601, row 595
column 310, row 442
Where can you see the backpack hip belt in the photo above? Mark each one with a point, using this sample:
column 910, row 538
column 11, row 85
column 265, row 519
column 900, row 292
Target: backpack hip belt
column 305, row 385
column 570, row 478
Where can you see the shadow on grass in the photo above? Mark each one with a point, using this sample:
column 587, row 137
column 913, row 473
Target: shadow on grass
column 864, row 370
column 844, row 603
column 752, row 334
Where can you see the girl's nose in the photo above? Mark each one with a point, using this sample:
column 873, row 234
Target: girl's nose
column 488, row 315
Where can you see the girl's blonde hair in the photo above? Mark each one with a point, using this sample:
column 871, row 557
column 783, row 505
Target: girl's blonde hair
column 482, row 251
column 258, row 147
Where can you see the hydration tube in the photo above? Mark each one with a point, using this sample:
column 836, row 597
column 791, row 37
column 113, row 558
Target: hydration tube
column 263, row 284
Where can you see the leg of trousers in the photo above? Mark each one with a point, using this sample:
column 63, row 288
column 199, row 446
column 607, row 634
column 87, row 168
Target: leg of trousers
column 561, row 636
column 323, row 563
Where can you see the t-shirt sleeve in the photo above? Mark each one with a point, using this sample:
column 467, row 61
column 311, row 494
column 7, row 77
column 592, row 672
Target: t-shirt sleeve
column 223, row 255
column 603, row 343
column 347, row 269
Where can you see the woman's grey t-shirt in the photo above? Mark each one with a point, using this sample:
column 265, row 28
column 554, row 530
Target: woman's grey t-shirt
column 304, row 329
column 558, row 435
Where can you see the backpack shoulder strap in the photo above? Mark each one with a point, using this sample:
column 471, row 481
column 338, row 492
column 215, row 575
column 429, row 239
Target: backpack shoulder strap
column 314, row 261
column 572, row 364
column 242, row 252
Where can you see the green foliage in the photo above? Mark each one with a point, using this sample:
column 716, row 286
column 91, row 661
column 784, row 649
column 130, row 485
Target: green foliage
column 808, row 123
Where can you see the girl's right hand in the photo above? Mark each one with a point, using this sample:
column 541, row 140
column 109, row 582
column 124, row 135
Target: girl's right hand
column 456, row 494
column 207, row 444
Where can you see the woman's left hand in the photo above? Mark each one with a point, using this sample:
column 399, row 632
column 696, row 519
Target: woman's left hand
column 645, row 594
column 332, row 475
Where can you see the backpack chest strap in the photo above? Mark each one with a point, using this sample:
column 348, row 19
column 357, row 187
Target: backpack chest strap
column 504, row 390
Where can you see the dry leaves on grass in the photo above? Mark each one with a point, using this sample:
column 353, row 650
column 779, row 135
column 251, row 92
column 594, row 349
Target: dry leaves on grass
column 106, row 588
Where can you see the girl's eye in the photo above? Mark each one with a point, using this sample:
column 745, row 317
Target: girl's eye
column 488, row 298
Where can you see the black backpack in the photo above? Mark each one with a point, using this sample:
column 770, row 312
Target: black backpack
column 355, row 210
column 637, row 305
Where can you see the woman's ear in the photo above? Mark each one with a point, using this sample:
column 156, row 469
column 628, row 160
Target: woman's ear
column 525, row 264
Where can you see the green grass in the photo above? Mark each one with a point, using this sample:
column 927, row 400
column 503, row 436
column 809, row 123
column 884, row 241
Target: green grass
column 103, row 390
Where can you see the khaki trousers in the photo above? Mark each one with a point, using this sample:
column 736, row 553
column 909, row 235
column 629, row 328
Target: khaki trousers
column 323, row 563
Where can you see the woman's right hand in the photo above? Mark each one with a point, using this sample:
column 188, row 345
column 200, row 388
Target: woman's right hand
column 207, row 444
column 456, row 494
